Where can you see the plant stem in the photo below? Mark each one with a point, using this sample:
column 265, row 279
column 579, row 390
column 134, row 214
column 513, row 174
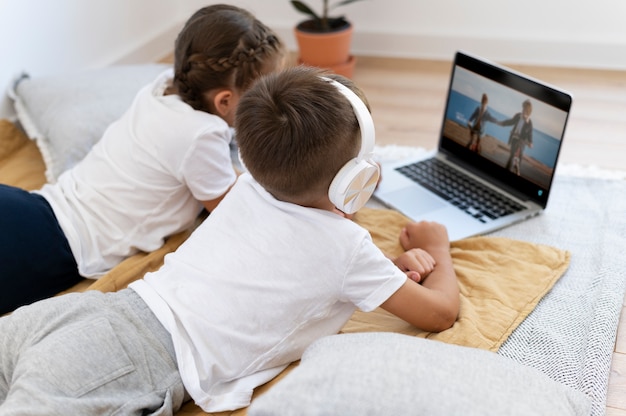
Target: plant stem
column 325, row 16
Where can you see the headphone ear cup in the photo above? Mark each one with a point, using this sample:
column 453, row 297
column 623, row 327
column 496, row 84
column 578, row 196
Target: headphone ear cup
column 353, row 185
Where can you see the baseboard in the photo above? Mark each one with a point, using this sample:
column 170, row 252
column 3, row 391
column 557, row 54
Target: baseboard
column 595, row 55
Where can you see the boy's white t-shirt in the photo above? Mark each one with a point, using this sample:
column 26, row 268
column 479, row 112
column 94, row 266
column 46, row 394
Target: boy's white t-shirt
column 143, row 180
column 255, row 284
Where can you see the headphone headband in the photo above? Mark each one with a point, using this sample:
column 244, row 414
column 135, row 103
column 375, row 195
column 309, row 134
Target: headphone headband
column 355, row 182
column 363, row 116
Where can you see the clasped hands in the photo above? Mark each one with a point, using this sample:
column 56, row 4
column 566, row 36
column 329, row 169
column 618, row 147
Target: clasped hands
column 422, row 242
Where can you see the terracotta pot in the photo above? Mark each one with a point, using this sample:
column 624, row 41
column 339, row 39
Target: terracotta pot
column 326, row 49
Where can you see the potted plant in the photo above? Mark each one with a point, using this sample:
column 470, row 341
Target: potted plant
column 324, row 41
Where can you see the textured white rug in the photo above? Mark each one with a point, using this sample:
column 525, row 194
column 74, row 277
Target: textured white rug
column 570, row 335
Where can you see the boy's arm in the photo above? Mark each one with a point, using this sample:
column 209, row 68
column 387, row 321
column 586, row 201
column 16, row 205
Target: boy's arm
column 492, row 119
column 433, row 304
column 510, row 121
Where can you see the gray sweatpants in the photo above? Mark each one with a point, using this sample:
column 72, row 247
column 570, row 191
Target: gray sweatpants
column 87, row 353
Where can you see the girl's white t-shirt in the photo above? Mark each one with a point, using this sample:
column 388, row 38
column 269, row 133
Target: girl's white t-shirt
column 255, row 284
column 143, row 181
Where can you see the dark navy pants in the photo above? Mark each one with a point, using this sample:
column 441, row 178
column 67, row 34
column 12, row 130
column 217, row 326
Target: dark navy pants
column 35, row 257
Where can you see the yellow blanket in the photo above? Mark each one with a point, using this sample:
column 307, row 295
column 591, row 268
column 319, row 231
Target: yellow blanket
column 501, row 280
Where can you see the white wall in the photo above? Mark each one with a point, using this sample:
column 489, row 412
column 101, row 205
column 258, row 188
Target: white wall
column 55, row 37
column 547, row 32
column 49, row 37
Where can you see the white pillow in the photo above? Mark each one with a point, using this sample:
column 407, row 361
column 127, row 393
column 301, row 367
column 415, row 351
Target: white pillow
column 393, row 374
column 67, row 114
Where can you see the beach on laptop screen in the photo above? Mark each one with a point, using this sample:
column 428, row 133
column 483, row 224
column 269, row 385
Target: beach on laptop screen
column 522, row 152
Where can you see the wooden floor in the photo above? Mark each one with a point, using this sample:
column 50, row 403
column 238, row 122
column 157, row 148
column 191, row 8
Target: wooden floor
column 407, row 100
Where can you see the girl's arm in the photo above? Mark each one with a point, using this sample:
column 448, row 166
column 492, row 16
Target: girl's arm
column 210, row 205
column 213, row 203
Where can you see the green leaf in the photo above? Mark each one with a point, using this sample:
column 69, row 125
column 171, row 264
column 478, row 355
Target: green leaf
column 303, row 8
column 343, row 3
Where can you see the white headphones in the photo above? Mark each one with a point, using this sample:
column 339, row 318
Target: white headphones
column 356, row 181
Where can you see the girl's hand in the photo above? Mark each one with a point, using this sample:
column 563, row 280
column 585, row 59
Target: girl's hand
column 416, row 263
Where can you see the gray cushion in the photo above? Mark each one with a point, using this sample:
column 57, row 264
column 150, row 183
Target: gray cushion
column 67, row 114
column 394, row 374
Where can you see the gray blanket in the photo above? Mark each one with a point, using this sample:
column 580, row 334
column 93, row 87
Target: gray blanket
column 570, row 335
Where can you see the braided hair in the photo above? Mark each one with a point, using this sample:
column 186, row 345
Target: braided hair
column 222, row 46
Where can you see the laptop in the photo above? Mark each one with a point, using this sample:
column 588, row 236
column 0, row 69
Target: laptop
column 494, row 163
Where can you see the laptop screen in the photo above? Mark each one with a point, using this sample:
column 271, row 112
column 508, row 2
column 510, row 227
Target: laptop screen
column 505, row 124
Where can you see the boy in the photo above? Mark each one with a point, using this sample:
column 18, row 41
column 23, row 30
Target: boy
column 273, row 268
column 521, row 135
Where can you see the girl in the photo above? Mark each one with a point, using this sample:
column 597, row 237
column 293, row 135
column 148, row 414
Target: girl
column 150, row 175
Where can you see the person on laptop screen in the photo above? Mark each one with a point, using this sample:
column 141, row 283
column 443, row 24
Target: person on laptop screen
column 476, row 123
column 521, row 136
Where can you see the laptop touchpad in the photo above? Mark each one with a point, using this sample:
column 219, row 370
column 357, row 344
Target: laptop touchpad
column 414, row 202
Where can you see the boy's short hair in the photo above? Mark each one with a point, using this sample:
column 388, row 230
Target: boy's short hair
column 295, row 131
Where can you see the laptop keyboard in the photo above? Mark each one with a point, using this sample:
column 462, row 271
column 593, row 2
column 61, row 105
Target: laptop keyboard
column 464, row 192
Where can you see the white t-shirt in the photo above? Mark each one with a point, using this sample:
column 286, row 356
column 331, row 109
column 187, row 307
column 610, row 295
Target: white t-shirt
column 255, row 284
column 143, row 180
